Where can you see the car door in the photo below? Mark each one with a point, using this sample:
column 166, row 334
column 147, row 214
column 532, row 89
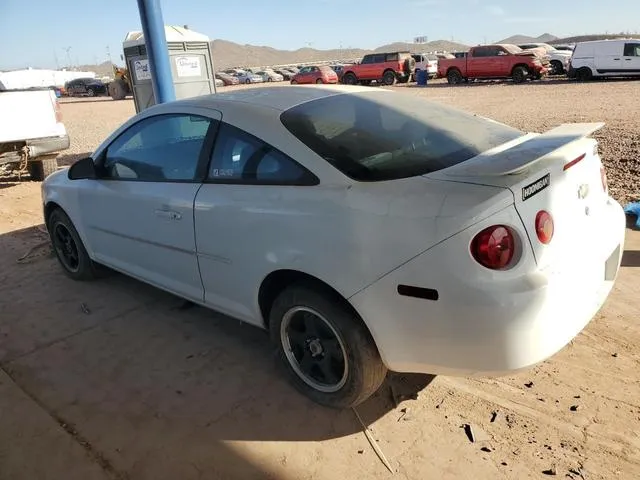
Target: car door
column 138, row 214
column 608, row 58
column 477, row 62
column 304, row 75
column 248, row 193
column 631, row 59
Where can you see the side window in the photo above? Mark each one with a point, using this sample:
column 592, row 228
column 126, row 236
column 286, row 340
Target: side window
column 379, row 58
column 163, row 148
column 391, row 57
column 239, row 157
column 367, row 59
column 632, row 49
column 480, row 52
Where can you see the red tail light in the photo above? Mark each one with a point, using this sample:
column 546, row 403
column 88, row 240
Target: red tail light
column 574, row 161
column 493, row 247
column 544, row 227
column 603, row 177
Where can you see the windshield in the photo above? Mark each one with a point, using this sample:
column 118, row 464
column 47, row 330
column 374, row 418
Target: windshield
column 384, row 135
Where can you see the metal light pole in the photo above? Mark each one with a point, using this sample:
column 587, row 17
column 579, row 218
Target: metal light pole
column 157, row 52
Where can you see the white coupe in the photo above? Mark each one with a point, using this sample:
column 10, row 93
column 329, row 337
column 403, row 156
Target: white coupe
column 367, row 230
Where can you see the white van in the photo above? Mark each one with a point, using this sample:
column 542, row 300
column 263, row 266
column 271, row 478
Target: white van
column 605, row 58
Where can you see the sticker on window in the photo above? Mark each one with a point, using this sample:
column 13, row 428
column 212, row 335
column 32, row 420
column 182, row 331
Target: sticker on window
column 222, row 172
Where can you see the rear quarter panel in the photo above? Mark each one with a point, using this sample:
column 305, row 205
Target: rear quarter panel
column 445, row 65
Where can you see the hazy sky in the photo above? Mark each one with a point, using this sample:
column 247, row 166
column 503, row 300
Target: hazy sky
column 36, row 32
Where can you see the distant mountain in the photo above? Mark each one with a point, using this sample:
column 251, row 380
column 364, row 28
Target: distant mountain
column 518, row 39
column 590, row 38
column 435, row 46
column 228, row 54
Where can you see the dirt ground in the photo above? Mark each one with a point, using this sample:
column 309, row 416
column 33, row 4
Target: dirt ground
column 117, row 380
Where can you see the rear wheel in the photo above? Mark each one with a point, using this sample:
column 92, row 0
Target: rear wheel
column 329, row 353
column 42, row 168
column 454, row 77
column 519, row 74
column 584, row 74
column 389, row 78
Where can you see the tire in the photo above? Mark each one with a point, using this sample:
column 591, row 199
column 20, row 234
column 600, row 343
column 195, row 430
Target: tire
column 117, row 91
column 350, row 79
column 247, row 81
column 338, row 328
column 409, row 65
column 584, row 74
column 294, row 82
column 558, row 69
column 269, row 79
column 404, row 79
column 41, row 169
column 389, row 78
column 91, row 92
column 519, row 75
column 454, row 77
column 319, row 81
column 83, row 268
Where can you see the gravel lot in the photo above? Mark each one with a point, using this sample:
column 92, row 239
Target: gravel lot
column 114, row 380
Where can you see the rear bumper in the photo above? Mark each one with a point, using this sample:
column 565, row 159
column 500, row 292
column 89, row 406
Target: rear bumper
column 488, row 328
column 37, row 147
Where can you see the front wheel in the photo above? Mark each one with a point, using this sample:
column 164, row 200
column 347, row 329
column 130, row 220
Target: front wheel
column 519, row 74
column 350, row 79
column 319, row 81
column 69, row 249
column 327, row 350
column 584, row 74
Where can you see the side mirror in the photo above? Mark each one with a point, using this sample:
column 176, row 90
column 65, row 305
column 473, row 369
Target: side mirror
column 83, row 169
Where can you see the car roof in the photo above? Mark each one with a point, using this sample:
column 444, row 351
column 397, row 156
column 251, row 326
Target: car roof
column 278, row 98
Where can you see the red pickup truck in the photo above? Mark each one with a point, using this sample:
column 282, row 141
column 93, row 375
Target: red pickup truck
column 384, row 68
column 494, row 61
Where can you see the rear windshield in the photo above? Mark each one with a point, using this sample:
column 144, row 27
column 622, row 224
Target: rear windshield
column 382, row 135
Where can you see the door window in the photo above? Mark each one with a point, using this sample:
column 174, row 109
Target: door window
column 632, row 50
column 239, row 157
column 163, row 148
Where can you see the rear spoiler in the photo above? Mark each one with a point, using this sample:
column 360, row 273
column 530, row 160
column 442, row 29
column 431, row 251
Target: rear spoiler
column 510, row 158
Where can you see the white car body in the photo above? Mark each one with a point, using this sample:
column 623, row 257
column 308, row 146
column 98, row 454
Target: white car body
column 559, row 59
column 217, row 242
column 245, row 76
column 30, row 125
column 607, row 58
column 426, row 62
column 270, row 76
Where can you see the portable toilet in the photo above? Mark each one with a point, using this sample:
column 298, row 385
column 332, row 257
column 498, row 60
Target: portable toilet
column 191, row 65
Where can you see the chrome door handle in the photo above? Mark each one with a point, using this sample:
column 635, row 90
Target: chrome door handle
column 616, row 59
column 169, row 214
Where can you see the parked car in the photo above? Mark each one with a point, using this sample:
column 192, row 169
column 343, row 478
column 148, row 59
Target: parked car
column 315, row 74
column 218, row 82
column 442, row 256
column 493, row 61
column 91, row 87
column 286, row 74
column 568, row 48
column 386, row 68
column 426, row 62
column 270, row 76
column 32, row 133
column 558, row 59
column 605, row 58
column 245, row 76
column 227, row 78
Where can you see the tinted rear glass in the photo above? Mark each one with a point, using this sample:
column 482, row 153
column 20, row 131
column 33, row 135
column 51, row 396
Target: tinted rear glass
column 383, row 135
